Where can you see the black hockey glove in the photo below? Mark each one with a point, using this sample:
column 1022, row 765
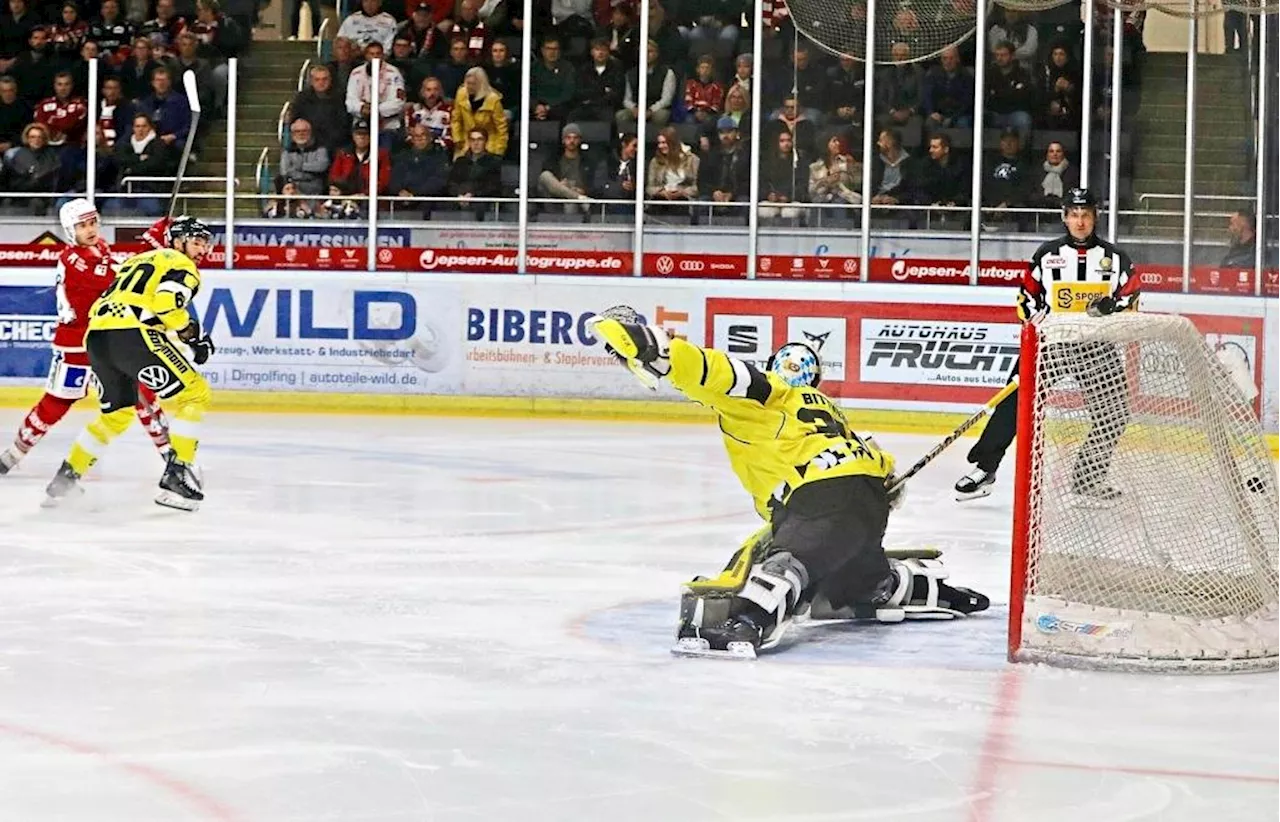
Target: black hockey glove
column 201, row 349
column 1102, row 306
column 201, row 345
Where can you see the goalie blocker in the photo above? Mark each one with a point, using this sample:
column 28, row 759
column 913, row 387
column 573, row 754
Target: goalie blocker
column 823, row 490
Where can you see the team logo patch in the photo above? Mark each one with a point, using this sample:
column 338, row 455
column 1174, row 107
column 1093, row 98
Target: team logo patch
column 1055, row 262
column 154, row 377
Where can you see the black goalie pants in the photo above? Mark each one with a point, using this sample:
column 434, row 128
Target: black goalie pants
column 835, row 527
column 1098, row 371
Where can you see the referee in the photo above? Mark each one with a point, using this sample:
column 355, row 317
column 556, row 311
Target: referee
column 1074, row 273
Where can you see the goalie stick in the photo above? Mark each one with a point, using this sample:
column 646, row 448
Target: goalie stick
column 193, row 100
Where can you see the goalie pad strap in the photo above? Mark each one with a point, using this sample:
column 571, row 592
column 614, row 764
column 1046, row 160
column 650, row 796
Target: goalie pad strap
column 916, row 595
column 775, row 584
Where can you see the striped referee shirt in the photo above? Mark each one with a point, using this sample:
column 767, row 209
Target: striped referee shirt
column 1067, row 277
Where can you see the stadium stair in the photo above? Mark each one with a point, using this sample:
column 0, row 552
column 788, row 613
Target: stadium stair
column 268, row 80
column 1223, row 150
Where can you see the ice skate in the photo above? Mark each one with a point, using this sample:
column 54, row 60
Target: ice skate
column 1096, row 495
column 64, row 483
column 737, row 638
column 975, row 485
column 180, row 487
column 9, row 459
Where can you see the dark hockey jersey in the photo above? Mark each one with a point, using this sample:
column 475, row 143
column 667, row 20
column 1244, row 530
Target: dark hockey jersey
column 1069, row 276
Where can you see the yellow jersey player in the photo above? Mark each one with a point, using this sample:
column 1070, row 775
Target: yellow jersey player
column 823, row 490
column 128, row 344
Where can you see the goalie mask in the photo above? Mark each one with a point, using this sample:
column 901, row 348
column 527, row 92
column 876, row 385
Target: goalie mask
column 797, row 364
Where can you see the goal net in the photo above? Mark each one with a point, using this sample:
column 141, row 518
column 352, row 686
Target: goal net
column 1145, row 525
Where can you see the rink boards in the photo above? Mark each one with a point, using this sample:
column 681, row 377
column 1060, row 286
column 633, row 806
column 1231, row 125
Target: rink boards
column 519, row 344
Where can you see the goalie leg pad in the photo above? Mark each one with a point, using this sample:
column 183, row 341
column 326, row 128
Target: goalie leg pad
column 915, row 589
column 758, row 614
column 922, row 593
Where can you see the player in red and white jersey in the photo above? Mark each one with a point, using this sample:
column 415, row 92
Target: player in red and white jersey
column 85, row 270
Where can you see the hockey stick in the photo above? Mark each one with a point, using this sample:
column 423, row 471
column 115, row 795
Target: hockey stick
column 193, row 100
column 956, row 434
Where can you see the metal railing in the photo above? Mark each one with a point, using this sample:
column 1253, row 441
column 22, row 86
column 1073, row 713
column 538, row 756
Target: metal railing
column 524, row 207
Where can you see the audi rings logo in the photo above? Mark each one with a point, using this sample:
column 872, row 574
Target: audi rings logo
column 666, row 265
column 154, row 377
column 899, row 270
column 692, row 265
column 384, row 255
column 1151, row 278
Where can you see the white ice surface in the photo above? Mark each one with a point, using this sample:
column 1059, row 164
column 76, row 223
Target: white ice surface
column 441, row 619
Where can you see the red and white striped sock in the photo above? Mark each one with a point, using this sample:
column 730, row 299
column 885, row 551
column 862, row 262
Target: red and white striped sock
column 153, row 419
column 39, row 420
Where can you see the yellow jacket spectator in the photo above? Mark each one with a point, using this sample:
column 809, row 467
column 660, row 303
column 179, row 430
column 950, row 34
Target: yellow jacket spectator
column 478, row 106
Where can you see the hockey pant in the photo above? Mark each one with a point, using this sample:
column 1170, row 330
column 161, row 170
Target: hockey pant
column 1098, row 371
column 68, row 383
column 835, row 528
column 126, row 361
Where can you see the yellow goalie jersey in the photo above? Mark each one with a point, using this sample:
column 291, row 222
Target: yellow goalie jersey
column 151, row 290
column 778, row 437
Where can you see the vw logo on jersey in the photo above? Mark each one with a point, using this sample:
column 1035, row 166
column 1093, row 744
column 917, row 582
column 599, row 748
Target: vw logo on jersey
column 154, row 377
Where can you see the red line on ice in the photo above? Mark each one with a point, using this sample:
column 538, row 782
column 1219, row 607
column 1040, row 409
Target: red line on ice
column 208, row 807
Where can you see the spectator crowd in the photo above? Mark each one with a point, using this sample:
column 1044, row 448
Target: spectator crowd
column 447, row 103
column 143, row 116
column 449, row 93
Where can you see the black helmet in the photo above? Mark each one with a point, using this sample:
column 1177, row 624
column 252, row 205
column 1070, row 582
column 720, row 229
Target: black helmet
column 187, row 228
column 1079, row 198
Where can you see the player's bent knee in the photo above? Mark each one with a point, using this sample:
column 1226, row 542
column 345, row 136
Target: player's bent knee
column 195, row 397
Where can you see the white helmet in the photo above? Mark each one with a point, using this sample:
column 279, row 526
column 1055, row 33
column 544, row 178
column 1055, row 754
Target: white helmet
column 74, row 213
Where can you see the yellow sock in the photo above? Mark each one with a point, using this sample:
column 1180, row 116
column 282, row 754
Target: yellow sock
column 184, row 429
column 184, row 432
column 96, row 436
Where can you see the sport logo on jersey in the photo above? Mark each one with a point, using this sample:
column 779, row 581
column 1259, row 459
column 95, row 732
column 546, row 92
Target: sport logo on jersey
column 1075, row 298
column 155, row 377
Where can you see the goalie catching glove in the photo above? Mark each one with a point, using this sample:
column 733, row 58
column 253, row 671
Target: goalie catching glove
column 645, row 349
column 201, row 344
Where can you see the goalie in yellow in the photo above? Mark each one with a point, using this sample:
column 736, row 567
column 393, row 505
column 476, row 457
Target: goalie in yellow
column 823, row 491
column 128, row 343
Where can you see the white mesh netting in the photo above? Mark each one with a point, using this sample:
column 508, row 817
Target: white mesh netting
column 907, row 31
column 1180, row 570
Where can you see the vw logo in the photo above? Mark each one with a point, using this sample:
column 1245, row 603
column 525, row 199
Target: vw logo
column 154, row 377
column 384, row 255
column 666, row 265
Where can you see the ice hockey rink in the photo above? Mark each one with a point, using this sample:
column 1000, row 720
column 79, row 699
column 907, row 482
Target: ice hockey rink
column 430, row 618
